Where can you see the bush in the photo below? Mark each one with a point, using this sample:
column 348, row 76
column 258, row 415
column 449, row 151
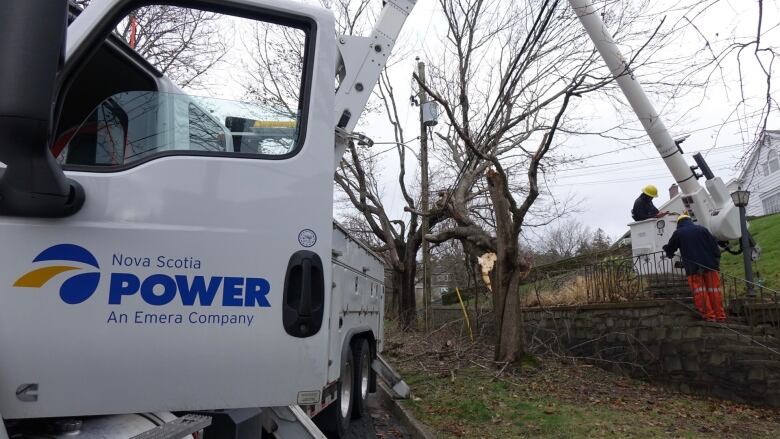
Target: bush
column 451, row 296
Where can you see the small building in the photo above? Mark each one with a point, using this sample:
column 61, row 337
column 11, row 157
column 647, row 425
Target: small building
column 761, row 175
column 447, row 273
column 441, row 283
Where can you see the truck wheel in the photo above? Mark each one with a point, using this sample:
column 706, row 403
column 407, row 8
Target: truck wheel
column 362, row 377
column 334, row 420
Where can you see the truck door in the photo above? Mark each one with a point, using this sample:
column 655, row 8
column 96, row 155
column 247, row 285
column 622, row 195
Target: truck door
column 193, row 276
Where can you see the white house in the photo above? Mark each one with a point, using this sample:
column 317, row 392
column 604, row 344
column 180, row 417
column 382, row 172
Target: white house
column 761, row 175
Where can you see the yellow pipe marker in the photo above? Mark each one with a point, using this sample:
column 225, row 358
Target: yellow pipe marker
column 465, row 314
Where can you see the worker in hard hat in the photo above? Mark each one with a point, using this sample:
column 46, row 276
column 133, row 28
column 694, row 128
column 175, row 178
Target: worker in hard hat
column 701, row 258
column 643, row 206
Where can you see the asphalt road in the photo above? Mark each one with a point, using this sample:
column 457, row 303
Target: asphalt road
column 377, row 423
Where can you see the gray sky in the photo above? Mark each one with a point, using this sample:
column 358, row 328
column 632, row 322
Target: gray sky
column 610, row 175
column 607, row 183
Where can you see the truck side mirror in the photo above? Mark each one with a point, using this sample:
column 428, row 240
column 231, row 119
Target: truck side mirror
column 32, row 183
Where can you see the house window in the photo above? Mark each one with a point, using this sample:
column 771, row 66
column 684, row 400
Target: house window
column 772, row 161
column 771, row 204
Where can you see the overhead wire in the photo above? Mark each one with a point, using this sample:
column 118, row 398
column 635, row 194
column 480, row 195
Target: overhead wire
column 721, row 149
column 646, row 159
column 619, row 167
column 647, row 143
column 620, row 180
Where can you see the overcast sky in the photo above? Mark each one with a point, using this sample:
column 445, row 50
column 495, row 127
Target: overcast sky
column 607, row 183
column 610, row 174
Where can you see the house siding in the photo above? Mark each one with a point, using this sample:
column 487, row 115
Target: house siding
column 762, row 186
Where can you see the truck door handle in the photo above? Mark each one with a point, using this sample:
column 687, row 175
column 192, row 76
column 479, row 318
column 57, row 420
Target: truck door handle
column 304, row 305
column 304, row 294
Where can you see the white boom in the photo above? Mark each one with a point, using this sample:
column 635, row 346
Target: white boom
column 711, row 208
column 360, row 62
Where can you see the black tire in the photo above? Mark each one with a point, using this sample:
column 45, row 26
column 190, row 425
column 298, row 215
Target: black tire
column 362, row 384
column 334, row 420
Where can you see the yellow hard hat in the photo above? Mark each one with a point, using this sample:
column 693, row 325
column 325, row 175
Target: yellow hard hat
column 682, row 217
column 650, row 191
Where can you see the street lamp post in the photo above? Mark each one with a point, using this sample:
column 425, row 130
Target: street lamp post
column 741, row 199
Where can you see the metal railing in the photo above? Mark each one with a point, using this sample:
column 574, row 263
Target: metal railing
column 647, row 277
column 613, row 279
column 635, row 278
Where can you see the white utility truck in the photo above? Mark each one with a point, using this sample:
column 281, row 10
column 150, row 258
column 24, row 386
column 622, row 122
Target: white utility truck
column 164, row 262
column 710, row 206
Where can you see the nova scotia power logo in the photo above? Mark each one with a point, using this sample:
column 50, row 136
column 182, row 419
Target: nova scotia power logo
column 69, row 258
column 134, row 293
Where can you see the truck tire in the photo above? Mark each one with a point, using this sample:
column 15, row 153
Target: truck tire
column 334, row 420
column 362, row 384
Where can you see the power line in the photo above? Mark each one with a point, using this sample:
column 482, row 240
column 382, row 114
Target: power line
column 395, row 146
column 723, row 149
column 601, row 165
column 623, row 180
column 695, row 130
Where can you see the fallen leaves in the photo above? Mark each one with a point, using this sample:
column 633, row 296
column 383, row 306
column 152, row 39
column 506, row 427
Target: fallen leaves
column 556, row 399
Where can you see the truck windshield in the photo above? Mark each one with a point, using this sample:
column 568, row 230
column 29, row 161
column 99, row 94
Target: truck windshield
column 130, row 126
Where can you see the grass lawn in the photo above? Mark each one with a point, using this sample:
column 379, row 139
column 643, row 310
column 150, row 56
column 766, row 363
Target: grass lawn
column 766, row 232
column 559, row 401
column 460, row 393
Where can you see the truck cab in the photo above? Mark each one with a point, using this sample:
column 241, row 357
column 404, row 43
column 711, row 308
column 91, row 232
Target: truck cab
column 174, row 285
column 168, row 243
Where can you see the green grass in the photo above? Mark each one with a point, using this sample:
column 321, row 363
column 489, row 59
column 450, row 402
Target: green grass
column 766, row 232
column 474, row 405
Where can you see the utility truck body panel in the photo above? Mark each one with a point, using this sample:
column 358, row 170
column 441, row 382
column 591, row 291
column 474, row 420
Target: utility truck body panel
column 358, row 299
column 141, row 334
column 168, row 251
column 165, row 291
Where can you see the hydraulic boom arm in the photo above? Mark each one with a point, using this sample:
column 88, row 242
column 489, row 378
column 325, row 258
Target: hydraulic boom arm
column 361, row 60
column 711, row 208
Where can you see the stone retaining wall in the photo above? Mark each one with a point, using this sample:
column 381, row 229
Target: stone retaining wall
column 664, row 341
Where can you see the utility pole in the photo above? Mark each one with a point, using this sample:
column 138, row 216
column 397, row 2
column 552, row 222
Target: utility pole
column 426, row 247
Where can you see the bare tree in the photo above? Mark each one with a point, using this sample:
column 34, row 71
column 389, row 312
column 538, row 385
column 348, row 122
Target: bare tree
column 182, row 43
column 563, row 240
column 398, row 240
column 275, row 52
column 506, row 82
column 751, row 54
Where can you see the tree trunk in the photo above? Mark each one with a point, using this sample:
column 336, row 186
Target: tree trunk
column 405, row 301
column 474, row 288
column 507, row 273
column 408, row 310
column 392, row 294
column 510, row 344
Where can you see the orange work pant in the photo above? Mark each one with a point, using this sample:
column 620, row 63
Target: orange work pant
column 707, row 295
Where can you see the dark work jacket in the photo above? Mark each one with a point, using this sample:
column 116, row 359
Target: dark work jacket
column 643, row 208
column 698, row 247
